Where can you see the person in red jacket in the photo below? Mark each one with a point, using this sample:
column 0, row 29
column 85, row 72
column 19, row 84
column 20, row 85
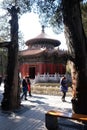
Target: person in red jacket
column 29, row 86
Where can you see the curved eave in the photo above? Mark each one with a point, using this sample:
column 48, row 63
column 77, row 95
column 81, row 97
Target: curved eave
column 34, row 41
column 31, row 52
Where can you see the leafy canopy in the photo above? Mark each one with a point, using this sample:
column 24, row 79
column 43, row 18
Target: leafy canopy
column 49, row 11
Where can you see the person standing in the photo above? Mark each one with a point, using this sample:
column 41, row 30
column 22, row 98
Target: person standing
column 24, row 88
column 63, row 87
column 29, row 86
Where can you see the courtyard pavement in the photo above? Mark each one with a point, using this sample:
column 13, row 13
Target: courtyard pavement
column 31, row 116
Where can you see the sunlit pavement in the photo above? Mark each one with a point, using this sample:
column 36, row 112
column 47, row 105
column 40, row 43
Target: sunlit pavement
column 31, row 116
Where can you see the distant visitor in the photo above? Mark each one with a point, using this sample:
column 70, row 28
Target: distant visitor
column 63, row 87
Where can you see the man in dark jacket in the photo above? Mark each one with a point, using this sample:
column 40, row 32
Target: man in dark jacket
column 25, row 89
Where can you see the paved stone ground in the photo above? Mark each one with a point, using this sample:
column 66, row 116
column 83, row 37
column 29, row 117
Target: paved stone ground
column 31, row 116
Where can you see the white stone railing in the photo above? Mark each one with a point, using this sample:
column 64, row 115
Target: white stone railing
column 50, row 77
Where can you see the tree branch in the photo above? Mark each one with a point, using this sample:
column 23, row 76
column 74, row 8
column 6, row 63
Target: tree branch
column 5, row 44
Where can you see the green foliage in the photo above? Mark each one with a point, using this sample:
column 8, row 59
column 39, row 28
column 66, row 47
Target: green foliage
column 56, row 20
column 4, row 28
column 4, row 23
column 3, row 61
column 49, row 11
column 24, row 5
column 84, row 16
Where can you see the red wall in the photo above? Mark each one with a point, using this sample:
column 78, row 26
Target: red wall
column 42, row 68
column 24, row 68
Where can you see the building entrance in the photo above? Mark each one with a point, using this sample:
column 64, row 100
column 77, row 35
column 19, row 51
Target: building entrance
column 32, row 72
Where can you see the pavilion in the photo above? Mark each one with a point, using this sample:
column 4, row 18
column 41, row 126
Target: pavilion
column 42, row 57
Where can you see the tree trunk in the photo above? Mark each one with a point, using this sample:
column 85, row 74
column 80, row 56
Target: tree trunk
column 76, row 41
column 11, row 99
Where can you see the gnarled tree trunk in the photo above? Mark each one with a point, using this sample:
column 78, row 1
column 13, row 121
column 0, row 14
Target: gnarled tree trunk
column 76, row 41
column 11, row 99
